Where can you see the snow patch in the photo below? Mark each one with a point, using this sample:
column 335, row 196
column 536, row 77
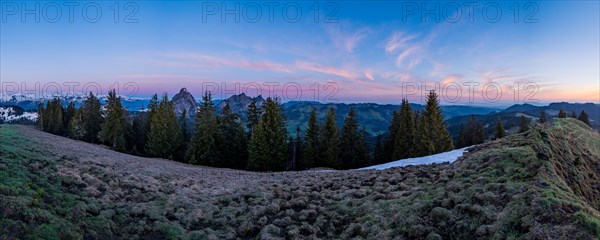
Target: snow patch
column 450, row 157
column 8, row 114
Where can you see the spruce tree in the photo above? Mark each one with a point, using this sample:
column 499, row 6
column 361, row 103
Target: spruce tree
column 312, row 144
column 573, row 114
column 562, row 114
column 438, row 138
column 543, row 119
column 390, row 140
column 462, row 137
column 378, row 151
column 499, row 129
column 40, row 119
column 231, row 140
column 164, row 138
column 268, row 147
column 583, row 116
column 114, row 127
column 353, row 148
column 299, row 148
column 254, row 113
column 524, row 124
column 204, row 149
column 331, row 141
column 53, row 117
column 404, row 145
column 476, row 130
column 139, row 128
column 92, row 118
column 68, row 114
column 77, row 125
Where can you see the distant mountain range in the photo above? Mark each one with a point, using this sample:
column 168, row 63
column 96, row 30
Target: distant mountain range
column 375, row 118
column 511, row 116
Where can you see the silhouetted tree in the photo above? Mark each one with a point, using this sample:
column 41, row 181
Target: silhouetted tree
column 562, row 114
column 232, row 143
column 353, row 149
column 404, row 145
column 542, row 117
column 268, row 147
column 524, row 124
column 92, row 118
column 331, row 141
column 500, row 133
column 583, row 116
column 204, row 149
column 312, row 144
column 437, row 138
column 164, row 138
column 113, row 129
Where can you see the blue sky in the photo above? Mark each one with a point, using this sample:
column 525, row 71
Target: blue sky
column 356, row 51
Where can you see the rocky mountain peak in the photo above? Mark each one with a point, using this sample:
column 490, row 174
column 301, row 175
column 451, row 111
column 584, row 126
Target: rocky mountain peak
column 184, row 101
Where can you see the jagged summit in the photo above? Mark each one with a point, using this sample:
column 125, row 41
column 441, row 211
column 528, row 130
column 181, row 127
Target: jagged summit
column 184, row 101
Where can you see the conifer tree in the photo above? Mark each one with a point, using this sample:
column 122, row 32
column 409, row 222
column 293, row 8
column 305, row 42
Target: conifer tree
column 268, row 147
column 562, row 114
column 40, row 119
column 204, row 149
column 92, row 118
column 77, row 125
column 573, row 114
column 543, row 117
column 353, row 149
column 390, row 140
column 499, row 129
column 524, row 124
column 312, row 144
column 114, row 127
column 53, row 117
column 378, row 151
column 331, row 141
column 141, row 124
column 472, row 134
column 68, row 114
column 254, row 113
column 404, row 145
column 461, row 141
column 231, row 140
column 583, row 116
column 438, row 138
column 164, row 138
column 139, row 128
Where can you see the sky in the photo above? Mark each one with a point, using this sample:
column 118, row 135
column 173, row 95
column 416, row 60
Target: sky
column 481, row 53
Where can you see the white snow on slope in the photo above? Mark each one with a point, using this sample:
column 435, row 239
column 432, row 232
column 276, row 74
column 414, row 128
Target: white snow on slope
column 8, row 114
column 450, row 156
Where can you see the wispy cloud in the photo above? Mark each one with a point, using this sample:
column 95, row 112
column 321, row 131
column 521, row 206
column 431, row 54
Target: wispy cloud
column 347, row 40
column 314, row 67
column 204, row 60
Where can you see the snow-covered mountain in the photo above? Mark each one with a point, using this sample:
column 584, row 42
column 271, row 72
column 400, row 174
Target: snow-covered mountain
column 31, row 101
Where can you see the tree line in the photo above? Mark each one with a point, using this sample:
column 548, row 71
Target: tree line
column 262, row 143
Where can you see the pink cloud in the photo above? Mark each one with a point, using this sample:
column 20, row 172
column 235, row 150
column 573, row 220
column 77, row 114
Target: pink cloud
column 397, row 41
column 213, row 61
column 312, row 67
column 451, row 78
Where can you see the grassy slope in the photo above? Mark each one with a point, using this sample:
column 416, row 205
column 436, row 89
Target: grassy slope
column 543, row 184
